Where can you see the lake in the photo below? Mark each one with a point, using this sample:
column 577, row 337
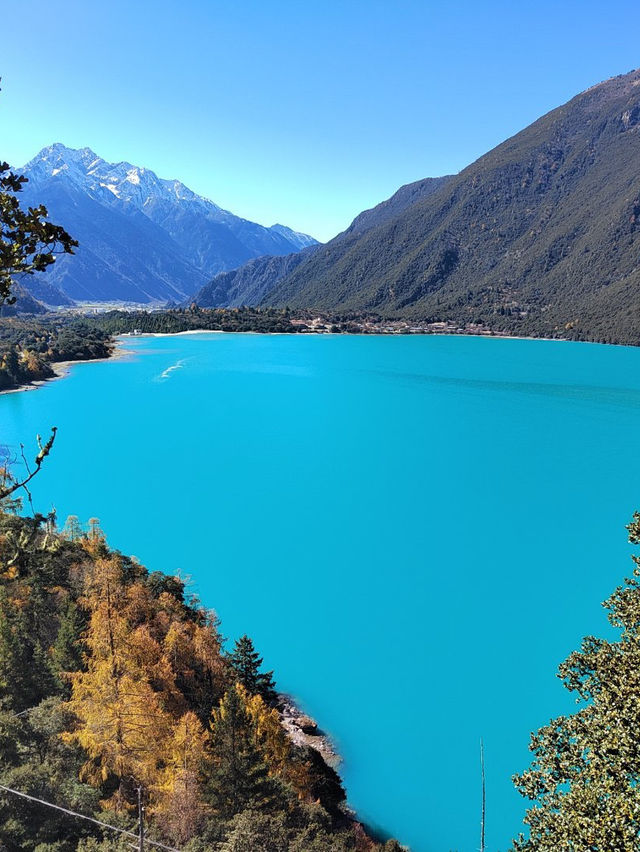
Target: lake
column 415, row 531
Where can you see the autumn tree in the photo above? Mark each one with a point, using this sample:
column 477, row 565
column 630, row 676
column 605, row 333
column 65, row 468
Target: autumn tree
column 246, row 663
column 180, row 809
column 585, row 776
column 239, row 777
column 270, row 736
column 123, row 723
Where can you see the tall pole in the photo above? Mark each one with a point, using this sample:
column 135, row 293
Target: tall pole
column 484, row 797
column 140, row 822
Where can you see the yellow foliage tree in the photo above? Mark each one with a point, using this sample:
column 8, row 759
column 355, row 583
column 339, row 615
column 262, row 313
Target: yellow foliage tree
column 271, row 738
column 123, row 724
column 179, row 807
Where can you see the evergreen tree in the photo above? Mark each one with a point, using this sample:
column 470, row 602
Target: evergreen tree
column 66, row 654
column 256, row 832
column 239, row 778
column 25, row 675
column 246, row 663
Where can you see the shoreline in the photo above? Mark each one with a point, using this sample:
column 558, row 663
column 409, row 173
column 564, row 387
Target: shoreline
column 118, row 353
column 63, row 368
column 304, row 731
column 495, row 335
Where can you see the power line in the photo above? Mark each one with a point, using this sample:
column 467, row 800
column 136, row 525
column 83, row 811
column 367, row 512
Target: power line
column 88, row 818
column 484, row 797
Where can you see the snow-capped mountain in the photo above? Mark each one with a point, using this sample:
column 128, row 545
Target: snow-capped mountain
column 142, row 238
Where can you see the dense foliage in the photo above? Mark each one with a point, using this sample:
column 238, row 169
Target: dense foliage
column 540, row 236
column 251, row 283
column 28, row 241
column 28, row 346
column 193, row 319
column 112, row 678
column 585, row 776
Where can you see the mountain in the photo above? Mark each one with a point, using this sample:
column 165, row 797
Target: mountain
column 294, row 237
column 250, row 284
column 541, row 235
column 25, row 303
column 387, row 210
column 142, row 239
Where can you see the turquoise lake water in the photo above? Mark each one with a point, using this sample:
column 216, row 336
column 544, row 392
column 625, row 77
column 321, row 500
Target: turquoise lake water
column 414, row 530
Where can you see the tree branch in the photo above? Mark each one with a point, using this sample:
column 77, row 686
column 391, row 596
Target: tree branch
column 16, row 484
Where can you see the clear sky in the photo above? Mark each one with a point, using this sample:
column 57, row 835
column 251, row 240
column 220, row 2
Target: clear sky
column 303, row 112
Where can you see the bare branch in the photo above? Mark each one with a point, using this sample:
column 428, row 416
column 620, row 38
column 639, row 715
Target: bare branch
column 15, row 484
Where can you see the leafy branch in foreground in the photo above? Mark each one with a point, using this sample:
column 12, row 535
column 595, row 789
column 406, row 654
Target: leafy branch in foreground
column 28, row 241
column 585, row 775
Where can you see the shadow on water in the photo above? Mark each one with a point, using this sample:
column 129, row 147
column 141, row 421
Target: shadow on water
column 618, row 397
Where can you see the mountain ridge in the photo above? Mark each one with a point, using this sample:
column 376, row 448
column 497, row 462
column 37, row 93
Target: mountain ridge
column 143, row 238
column 541, row 235
column 252, row 282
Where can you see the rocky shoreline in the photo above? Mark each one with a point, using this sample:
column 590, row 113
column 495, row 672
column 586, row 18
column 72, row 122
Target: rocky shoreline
column 304, row 731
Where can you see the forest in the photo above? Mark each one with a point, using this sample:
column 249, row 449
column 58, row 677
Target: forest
column 175, row 320
column 115, row 681
column 30, row 345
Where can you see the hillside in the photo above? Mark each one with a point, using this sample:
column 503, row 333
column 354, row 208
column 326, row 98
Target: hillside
column 403, row 198
column 251, row 283
column 113, row 679
column 539, row 236
column 142, row 239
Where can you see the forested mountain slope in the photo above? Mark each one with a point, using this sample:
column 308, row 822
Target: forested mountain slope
column 250, row 284
column 113, row 679
column 541, row 235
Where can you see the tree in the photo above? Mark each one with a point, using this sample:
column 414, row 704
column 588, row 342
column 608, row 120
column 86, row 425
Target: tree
column 66, row 652
column 28, row 241
column 73, row 529
column 180, row 810
column 123, row 725
column 9, row 483
column 256, row 832
column 271, row 737
column 25, row 674
column 239, row 777
column 246, row 663
column 585, row 776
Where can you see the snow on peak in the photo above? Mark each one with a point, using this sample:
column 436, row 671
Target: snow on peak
column 124, row 183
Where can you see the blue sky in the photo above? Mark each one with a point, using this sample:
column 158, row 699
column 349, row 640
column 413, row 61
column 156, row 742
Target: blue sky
column 302, row 113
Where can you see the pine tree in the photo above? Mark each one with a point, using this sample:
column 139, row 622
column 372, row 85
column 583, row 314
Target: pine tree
column 239, row 777
column 66, row 654
column 25, row 675
column 246, row 663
